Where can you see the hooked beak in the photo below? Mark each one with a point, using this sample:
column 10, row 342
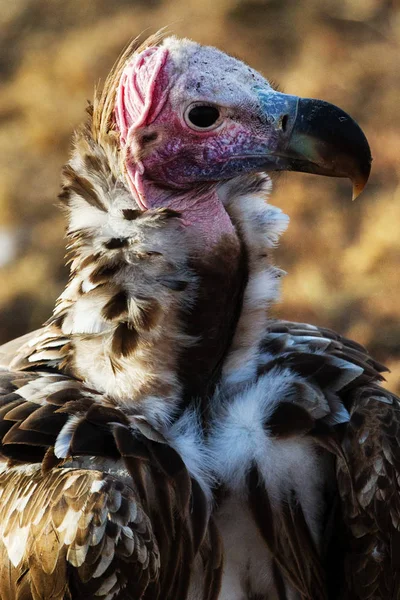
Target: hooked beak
column 314, row 136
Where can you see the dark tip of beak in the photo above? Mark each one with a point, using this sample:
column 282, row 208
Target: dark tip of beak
column 358, row 186
column 332, row 143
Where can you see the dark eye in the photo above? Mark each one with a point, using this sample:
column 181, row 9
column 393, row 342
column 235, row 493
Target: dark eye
column 202, row 116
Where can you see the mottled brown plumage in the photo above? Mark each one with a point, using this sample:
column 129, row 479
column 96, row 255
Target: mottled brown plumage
column 94, row 531
column 86, row 523
column 366, row 451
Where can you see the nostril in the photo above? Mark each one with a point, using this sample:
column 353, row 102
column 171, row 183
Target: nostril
column 284, row 122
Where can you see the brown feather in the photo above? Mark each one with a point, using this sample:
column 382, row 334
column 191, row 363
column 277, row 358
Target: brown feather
column 104, row 272
column 148, row 314
column 130, row 214
column 289, row 419
column 125, row 340
column 117, row 307
column 74, row 183
column 116, row 243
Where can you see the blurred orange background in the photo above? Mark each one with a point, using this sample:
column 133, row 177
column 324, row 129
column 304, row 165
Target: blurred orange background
column 342, row 258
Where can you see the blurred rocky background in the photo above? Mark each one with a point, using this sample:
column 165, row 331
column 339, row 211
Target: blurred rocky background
column 342, row 258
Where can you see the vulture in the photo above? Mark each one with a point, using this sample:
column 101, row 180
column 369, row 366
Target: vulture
column 162, row 436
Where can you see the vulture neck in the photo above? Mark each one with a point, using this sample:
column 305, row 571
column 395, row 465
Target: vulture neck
column 201, row 212
column 151, row 307
column 218, row 260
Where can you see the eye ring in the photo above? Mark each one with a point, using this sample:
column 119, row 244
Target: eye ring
column 202, row 116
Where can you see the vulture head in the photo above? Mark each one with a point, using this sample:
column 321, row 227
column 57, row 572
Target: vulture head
column 190, row 116
column 177, row 129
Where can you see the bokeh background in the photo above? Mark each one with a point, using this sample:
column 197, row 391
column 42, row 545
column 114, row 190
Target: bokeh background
column 342, row 258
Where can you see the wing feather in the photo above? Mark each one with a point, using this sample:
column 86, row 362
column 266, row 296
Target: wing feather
column 366, row 446
column 83, row 532
column 50, row 525
column 368, row 477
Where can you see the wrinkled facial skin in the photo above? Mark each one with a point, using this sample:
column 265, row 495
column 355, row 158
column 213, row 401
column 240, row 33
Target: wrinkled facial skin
column 184, row 155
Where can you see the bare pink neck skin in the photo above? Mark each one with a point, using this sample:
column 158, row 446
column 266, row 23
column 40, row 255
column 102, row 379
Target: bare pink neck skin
column 200, row 209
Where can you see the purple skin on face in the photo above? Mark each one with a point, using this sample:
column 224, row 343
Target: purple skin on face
column 191, row 157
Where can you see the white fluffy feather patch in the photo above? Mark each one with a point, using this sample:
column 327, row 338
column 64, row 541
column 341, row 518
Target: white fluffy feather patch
column 240, row 439
column 239, row 435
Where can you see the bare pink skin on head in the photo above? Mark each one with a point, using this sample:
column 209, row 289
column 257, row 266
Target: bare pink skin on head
column 142, row 101
column 142, row 91
column 141, row 94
